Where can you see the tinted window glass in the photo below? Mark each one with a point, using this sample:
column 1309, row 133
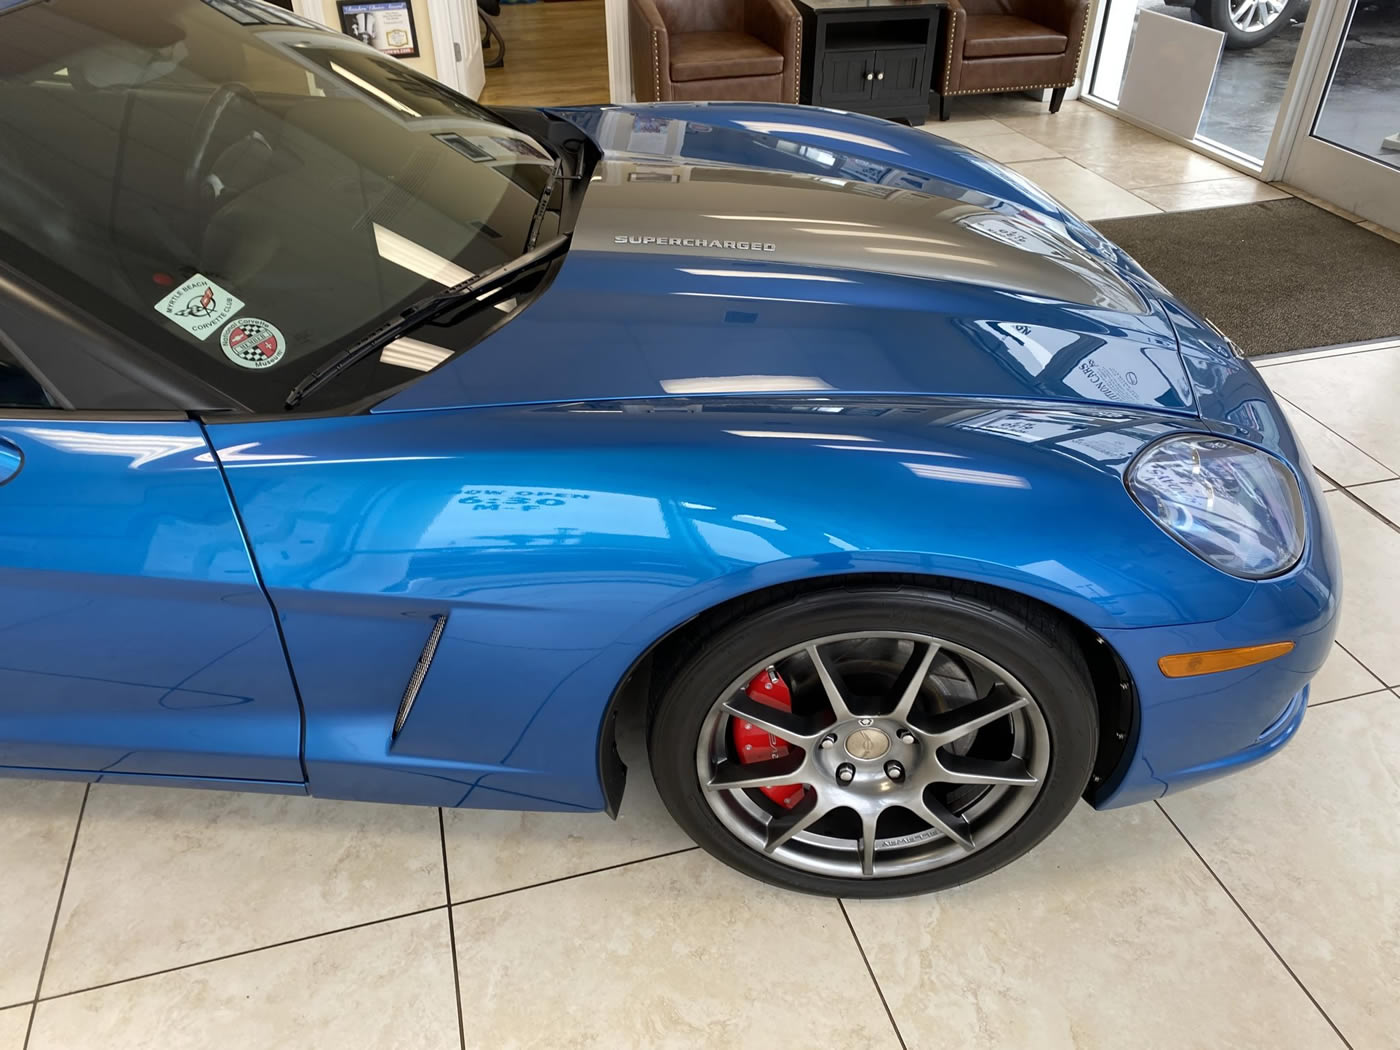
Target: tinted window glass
column 245, row 199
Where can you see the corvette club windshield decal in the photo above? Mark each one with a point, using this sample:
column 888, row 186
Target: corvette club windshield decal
column 695, row 242
column 199, row 306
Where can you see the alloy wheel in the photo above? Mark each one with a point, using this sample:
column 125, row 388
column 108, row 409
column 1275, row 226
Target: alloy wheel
column 1251, row 16
column 910, row 752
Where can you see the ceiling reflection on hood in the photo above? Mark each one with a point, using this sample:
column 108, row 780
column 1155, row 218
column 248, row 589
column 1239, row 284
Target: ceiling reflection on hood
column 966, row 476
column 766, row 275
column 743, row 384
column 766, row 127
column 778, row 218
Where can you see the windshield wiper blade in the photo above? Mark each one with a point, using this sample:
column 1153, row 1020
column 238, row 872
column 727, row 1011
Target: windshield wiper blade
column 537, row 220
column 470, row 292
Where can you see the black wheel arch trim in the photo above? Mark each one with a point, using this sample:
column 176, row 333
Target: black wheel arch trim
column 1115, row 692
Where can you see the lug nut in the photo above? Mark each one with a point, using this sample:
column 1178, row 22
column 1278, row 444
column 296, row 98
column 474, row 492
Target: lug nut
column 894, row 771
column 845, row 772
column 827, row 741
column 906, row 737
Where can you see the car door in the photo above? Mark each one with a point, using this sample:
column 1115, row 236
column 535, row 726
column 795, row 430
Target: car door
column 135, row 637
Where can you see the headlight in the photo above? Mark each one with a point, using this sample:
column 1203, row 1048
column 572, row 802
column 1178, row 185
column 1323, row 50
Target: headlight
column 1235, row 506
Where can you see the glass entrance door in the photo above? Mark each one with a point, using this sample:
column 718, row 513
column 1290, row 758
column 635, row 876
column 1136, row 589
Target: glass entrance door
column 1256, row 41
column 1347, row 146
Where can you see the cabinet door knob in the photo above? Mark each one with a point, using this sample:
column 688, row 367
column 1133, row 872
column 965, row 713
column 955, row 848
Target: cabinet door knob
column 880, row 76
column 870, row 76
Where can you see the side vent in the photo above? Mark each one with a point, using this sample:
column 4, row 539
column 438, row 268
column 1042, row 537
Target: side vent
column 420, row 672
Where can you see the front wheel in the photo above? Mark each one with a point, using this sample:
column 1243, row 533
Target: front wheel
column 1245, row 23
column 877, row 742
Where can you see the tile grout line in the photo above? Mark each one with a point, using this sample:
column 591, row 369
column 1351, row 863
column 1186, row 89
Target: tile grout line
column 1342, row 438
column 1384, row 520
column 1364, row 484
column 1217, row 178
column 1363, row 505
column 57, row 909
column 1089, row 171
column 1370, row 672
column 870, row 970
column 1250, row 919
column 1350, row 696
column 451, row 931
column 1321, row 353
column 575, row 875
column 240, row 953
column 340, row 929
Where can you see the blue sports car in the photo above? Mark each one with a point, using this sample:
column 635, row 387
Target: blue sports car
column 360, row 441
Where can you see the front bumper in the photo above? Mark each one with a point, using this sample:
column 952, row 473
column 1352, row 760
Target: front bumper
column 1190, row 730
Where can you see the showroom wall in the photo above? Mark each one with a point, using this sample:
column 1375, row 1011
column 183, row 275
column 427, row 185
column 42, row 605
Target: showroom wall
column 422, row 24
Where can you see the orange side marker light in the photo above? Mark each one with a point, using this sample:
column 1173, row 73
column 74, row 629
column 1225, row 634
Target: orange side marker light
column 1186, row 665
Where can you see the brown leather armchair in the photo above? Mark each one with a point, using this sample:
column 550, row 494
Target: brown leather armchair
column 1012, row 45
column 696, row 50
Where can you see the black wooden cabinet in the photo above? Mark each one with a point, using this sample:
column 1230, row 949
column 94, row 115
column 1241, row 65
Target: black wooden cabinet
column 847, row 79
column 872, row 56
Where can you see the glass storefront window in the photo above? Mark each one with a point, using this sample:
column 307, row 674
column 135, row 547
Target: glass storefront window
column 1360, row 110
column 1251, row 82
column 1262, row 38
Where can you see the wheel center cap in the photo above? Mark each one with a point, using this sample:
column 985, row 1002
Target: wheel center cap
column 867, row 743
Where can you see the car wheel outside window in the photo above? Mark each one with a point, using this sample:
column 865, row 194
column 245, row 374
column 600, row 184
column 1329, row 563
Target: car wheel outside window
column 1246, row 23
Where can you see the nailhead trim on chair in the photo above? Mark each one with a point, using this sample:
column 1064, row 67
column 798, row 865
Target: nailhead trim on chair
column 948, row 66
column 948, row 69
column 1083, row 38
column 1006, row 90
column 656, row 62
column 797, row 65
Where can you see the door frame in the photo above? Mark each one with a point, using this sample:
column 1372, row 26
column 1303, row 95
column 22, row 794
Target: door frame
column 1311, row 54
column 1354, row 181
column 311, row 9
column 619, row 30
column 457, row 45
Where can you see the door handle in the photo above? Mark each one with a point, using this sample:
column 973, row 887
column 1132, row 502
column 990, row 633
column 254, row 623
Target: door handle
column 870, row 76
column 880, row 75
column 11, row 459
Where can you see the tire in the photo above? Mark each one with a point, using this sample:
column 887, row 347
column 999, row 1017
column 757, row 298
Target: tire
column 1266, row 23
column 974, row 636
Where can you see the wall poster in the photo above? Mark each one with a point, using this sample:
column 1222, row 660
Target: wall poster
column 385, row 25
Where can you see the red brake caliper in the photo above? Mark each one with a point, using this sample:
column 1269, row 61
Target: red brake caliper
column 757, row 745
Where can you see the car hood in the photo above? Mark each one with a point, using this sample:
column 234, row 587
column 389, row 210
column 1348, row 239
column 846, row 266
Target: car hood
column 690, row 275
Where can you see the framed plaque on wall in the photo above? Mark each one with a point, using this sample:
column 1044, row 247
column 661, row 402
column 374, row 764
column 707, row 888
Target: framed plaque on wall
column 385, row 25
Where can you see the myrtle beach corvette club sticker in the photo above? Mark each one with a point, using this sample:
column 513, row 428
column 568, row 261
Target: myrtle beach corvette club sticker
column 199, row 306
column 251, row 342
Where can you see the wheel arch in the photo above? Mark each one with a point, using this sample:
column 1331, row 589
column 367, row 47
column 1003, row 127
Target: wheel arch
column 635, row 696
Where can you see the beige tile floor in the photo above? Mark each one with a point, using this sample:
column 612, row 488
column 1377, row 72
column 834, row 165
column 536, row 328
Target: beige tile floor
column 1260, row 911
column 1102, row 167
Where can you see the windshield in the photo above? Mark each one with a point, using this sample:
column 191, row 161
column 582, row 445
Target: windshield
column 244, row 195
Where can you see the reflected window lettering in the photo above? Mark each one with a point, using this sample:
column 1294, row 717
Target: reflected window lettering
column 516, row 499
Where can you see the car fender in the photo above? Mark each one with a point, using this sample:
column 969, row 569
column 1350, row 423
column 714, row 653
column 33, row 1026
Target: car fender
column 560, row 541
